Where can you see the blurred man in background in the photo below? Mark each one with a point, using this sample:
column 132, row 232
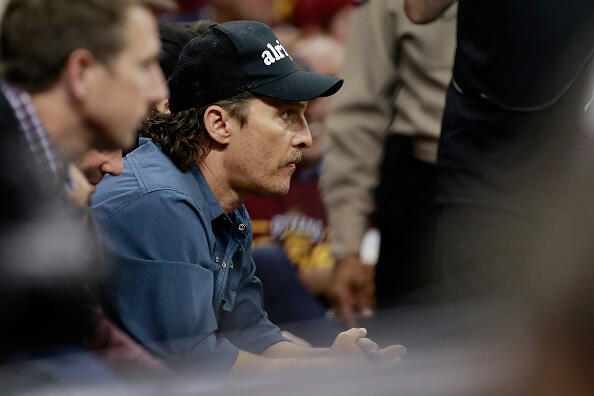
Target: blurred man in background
column 511, row 133
column 72, row 77
column 397, row 76
column 96, row 164
column 75, row 76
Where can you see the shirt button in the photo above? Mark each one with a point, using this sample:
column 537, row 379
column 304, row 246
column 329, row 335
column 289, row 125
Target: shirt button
column 217, row 259
column 224, row 265
column 241, row 227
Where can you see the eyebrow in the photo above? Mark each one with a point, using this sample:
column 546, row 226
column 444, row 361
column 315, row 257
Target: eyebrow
column 301, row 104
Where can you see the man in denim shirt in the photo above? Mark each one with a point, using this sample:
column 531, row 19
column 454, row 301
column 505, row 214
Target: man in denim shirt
column 184, row 283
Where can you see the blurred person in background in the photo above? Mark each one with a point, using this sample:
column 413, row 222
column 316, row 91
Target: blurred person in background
column 270, row 12
column 199, row 27
column 302, row 18
column 510, row 133
column 55, row 109
column 173, row 37
column 391, row 107
column 291, row 251
column 515, row 177
column 96, row 164
column 265, row 11
column 74, row 82
column 331, row 17
column 183, row 284
column 110, row 342
column 187, row 10
column 284, row 16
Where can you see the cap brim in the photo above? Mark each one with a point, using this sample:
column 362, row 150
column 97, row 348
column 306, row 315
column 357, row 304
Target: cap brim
column 299, row 85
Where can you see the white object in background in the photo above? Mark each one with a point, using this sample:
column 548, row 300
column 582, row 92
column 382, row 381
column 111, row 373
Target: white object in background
column 370, row 245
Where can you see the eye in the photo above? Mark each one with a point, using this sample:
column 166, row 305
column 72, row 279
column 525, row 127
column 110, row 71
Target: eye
column 149, row 63
column 288, row 114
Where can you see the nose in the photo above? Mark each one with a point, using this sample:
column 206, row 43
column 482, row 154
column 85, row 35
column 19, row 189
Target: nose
column 302, row 137
column 113, row 163
column 158, row 89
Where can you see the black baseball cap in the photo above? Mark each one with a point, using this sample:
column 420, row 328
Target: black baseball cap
column 173, row 39
column 240, row 56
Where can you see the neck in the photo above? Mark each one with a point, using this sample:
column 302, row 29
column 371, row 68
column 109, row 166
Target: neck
column 214, row 173
column 64, row 128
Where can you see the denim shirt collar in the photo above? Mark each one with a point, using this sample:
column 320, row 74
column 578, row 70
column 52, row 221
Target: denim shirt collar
column 214, row 209
column 203, row 197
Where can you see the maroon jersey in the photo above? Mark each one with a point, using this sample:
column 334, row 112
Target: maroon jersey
column 297, row 221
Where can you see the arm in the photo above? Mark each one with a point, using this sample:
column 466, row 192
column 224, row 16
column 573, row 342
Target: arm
column 425, row 11
column 359, row 120
column 262, row 348
column 161, row 286
column 357, row 125
column 249, row 363
column 243, row 320
column 164, row 299
column 286, row 355
column 350, row 346
column 288, row 349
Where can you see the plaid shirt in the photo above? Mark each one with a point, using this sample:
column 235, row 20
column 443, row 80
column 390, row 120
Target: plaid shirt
column 48, row 164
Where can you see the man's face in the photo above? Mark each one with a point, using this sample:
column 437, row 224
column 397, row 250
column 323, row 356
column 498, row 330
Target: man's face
column 128, row 86
column 263, row 152
column 96, row 164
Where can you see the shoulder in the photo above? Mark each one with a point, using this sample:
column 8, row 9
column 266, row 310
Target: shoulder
column 149, row 180
column 155, row 209
column 153, row 169
column 157, row 225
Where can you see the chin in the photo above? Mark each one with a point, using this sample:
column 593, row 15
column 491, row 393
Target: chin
column 127, row 139
column 276, row 191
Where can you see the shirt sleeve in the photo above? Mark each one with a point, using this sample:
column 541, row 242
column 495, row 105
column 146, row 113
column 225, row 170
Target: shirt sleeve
column 161, row 296
column 358, row 122
column 247, row 326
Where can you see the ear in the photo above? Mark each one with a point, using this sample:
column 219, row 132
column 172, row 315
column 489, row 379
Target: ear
column 81, row 73
column 218, row 124
column 163, row 106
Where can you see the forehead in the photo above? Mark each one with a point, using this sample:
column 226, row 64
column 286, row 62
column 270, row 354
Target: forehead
column 141, row 32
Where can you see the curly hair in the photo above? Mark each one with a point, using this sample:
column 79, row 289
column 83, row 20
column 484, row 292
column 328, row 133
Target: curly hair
column 183, row 136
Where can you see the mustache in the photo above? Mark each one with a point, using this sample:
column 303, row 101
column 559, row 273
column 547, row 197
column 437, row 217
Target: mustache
column 293, row 158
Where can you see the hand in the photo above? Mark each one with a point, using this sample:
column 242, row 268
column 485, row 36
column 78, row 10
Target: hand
column 392, row 353
column 345, row 346
column 352, row 345
column 352, row 289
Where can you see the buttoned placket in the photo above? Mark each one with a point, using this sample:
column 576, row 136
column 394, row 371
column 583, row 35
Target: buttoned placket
column 235, row 234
